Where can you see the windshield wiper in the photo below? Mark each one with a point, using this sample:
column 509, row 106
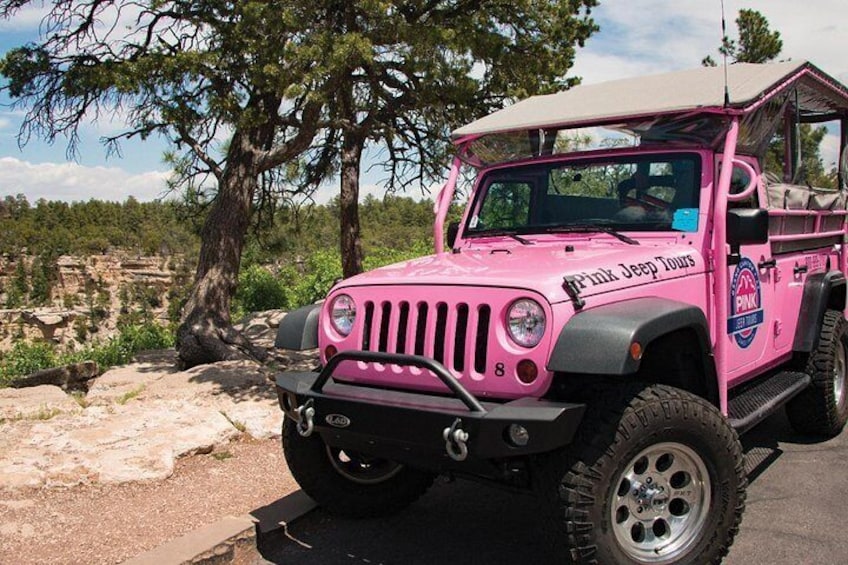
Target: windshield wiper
column 497, row 232
column 590, row 228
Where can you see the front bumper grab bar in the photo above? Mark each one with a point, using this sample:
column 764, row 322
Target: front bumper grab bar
column 396, row 359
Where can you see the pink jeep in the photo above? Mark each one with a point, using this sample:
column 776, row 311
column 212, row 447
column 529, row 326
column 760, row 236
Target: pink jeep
column 604, row 323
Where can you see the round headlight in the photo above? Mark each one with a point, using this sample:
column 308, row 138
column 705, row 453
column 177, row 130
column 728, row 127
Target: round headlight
column 343, row 314
column 525, row 321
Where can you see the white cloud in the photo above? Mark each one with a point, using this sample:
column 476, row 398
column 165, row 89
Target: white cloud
column 72, row 182
column 26, row 19
column 830, row 148
column 656, row 36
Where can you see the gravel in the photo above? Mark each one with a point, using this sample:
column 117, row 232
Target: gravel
column 95, row 524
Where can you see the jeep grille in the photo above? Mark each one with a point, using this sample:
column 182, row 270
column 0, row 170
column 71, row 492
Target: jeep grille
column 452, row 334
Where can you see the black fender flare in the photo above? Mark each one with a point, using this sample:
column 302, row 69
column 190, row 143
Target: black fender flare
column 597, row 341
column 822, row 292
column 299, row 329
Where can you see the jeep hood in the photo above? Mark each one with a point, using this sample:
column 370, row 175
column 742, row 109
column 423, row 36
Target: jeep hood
column 594, row 267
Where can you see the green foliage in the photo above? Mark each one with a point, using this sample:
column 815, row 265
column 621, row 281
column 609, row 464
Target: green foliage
column 258, row 289
column 304, row 240
column 50, row 229
column 323, row 268
column 81, row 329
column 43, row 276
column 18, row 291
column 320, row 271
column 757, row 43
column 381, row 256
column 812, row 166
column 25, row 357
column 137, row 302
column 120, row 349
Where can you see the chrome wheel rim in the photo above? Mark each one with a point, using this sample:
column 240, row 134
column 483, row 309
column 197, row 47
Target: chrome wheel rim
column 661, row 502
column 360, row 468
column 839, row 375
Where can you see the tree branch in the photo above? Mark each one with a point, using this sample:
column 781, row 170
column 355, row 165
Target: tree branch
column 214, row 166
column 295, row 146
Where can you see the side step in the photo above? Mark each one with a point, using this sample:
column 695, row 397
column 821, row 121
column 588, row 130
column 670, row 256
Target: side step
column 753, row 402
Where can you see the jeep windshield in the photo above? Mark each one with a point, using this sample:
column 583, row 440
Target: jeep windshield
column 657, row 192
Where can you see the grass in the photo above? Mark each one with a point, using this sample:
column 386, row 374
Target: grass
column 222, row 455
column 237, row 424
column 129, row 395
column 79, row 398
column 44, row 413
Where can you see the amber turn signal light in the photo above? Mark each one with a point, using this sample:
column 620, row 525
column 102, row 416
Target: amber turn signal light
column 330, row 351
column 527, row 371
column 636, row 350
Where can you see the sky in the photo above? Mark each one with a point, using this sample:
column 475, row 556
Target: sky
column 637, row 37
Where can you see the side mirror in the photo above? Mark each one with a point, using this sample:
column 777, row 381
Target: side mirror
column 747, row 226
column 453, row 230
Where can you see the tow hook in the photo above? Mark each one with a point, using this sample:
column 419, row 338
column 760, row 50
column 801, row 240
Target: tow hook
column 456, row 441
column 305, row 414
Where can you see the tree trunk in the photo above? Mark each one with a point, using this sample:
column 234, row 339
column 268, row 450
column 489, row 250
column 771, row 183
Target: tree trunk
column 206, row 334
column 351, row 246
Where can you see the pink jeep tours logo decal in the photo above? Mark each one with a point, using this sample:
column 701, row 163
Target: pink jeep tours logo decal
column 746, row 308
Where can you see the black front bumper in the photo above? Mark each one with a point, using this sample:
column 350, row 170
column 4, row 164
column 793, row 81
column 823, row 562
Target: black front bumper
column 409, row 426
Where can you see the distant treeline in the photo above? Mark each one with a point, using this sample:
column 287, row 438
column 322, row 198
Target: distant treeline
column 52, row 228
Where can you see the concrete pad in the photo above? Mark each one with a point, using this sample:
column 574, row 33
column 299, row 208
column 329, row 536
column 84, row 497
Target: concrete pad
column 188, row 548
column 283, row 511
column 230, row 540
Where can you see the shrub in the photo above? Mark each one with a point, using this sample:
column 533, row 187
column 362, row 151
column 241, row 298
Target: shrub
column 324, row 268
column 147, row 336
column 258, row 289
column 120, row 349
column 69, row 300
column 25, row 358
column 382, row 256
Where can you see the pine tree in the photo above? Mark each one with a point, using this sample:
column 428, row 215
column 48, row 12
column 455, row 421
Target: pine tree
column 19, row 289
column 757, row 43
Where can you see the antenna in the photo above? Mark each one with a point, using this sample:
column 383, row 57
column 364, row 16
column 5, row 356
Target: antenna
column 724, row 53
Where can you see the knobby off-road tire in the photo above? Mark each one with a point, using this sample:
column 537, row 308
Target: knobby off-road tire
column 350, row 484
column 822, row 409
column 655, row 475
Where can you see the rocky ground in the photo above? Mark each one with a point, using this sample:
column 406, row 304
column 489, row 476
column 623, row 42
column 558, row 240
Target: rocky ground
column 101, row 476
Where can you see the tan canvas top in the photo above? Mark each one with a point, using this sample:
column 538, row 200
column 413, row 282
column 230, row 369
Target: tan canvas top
column 674, row 92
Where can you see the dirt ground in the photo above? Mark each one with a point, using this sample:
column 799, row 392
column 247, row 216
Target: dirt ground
column 94, row 524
